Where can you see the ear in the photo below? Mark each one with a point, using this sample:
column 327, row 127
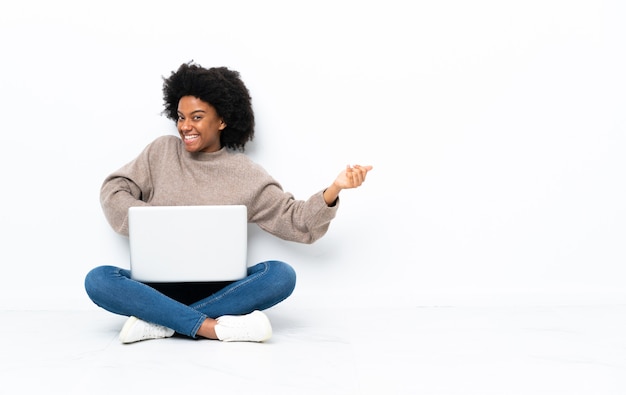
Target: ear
column 222, row 125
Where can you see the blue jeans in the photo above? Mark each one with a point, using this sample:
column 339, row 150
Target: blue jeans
column 266, row 284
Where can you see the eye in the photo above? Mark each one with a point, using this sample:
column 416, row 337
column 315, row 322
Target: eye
column 197, row 118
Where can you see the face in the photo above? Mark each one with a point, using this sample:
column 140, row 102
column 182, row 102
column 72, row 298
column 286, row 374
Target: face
column 199, row 125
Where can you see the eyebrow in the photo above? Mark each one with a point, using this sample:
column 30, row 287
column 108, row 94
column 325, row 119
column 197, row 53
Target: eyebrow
column 193, row 112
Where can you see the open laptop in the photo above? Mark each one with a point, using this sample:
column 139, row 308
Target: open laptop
column 188, row 243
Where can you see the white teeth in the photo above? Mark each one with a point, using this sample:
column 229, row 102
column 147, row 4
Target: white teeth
column 191, row 137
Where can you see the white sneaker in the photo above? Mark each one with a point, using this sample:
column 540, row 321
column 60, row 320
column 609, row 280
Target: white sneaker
column 135, row 330
column 253, row 327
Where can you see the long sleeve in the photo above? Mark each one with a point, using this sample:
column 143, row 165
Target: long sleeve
column 164, row 174
column 127, row 187
column 280, row 214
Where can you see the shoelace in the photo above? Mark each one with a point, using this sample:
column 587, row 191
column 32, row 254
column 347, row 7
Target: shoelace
column 154, row 330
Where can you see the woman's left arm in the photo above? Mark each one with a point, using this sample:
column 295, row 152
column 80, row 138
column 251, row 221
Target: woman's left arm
column 350, row 177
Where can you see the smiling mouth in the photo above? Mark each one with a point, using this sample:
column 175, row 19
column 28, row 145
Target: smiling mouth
column 190, row 137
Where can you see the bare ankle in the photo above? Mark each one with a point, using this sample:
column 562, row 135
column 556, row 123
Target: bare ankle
column 207, row 329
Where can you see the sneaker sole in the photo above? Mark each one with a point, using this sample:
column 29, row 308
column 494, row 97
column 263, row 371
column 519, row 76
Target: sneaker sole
column 130, row 322
column 268, row 325
column 256, row 318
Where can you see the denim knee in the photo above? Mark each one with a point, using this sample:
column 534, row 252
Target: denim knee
column 283, row 278
column 96, row 281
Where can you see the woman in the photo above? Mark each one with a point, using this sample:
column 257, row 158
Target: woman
column 206, row 166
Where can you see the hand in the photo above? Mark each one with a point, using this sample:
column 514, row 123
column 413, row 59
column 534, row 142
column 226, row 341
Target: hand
column 351, row 177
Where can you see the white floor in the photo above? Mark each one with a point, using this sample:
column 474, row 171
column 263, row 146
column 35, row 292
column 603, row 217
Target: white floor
column 430, row 350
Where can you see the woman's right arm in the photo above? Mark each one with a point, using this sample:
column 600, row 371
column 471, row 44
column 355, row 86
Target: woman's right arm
column 126, row 187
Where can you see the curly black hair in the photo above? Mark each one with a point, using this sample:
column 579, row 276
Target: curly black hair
column 221, row 88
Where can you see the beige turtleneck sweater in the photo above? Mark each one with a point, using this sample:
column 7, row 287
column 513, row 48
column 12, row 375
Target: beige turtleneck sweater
column 165, row 174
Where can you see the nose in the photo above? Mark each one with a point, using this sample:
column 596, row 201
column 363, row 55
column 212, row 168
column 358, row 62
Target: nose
column 185, row 125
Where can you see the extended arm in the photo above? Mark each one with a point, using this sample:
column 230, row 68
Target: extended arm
column 350, row 177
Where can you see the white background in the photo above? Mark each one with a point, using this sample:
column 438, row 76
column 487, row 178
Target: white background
column 496, row 128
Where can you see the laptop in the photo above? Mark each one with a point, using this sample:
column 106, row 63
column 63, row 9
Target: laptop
column 188, row 243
